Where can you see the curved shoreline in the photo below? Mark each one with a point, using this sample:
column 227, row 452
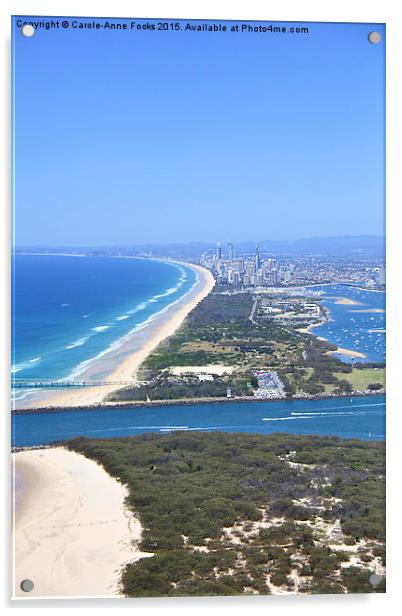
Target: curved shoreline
column 72, row 531
column 162, row 326
column 326, row 319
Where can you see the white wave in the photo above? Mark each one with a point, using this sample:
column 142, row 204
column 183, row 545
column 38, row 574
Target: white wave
column 123, row 317
column 134, row 428
column 295, row 416
column 65, row 305
column 85, row 316
column 160, row 428
column 166, row 293
column 77, row 343
column 23, row 365
column 18, row 394
column 100, row 328
column 337, row 408
column 84, row 365
column 304, row 415
column 282, row 418
column 137, row 308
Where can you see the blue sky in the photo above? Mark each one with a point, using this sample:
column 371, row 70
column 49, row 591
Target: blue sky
column 150, row 137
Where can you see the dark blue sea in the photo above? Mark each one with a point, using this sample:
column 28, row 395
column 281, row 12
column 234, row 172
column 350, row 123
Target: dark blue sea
column 361, row 417
column 69, row 311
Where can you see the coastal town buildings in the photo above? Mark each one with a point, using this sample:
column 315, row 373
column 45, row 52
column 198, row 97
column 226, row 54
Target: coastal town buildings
column 238, row 271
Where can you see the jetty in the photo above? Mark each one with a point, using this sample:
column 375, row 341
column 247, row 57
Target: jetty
column 51, row 384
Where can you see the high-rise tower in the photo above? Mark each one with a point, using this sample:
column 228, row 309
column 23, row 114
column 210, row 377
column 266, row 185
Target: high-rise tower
column 257, row 258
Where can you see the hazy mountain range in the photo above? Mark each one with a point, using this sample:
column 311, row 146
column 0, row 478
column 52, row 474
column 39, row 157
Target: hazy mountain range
column 340, row 246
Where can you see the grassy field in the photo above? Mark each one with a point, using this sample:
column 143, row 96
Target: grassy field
column 219, row 332
column 360, row 379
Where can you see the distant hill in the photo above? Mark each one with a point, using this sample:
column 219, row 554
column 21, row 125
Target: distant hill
column 369, row 246
column 335, row 246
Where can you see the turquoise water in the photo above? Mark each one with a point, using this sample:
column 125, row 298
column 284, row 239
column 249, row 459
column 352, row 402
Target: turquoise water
column 359, row 327
column 360, row 417
column 68, row 312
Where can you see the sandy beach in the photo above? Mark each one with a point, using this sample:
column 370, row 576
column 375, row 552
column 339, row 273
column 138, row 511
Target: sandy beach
column 307, row 330
column 127, row 369
column 72, row 533
column 346, row 352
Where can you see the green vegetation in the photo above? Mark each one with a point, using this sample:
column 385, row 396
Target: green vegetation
column 324, row 374
column 361, row 380
column 229, row 514
column 162, row 389
column 219, row 331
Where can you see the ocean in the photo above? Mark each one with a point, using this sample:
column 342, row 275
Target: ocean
column 68, row 312
column 361, row 417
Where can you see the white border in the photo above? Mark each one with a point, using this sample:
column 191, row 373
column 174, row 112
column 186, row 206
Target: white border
column 368, row 11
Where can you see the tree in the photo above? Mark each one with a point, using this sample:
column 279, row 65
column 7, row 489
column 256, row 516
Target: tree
column 375, row 386
column 343, row 387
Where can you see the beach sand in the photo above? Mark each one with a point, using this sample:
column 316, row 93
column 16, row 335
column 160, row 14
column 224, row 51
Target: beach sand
column 72, row 532
column 346, row 352
column 127, row 369
column 307, row 330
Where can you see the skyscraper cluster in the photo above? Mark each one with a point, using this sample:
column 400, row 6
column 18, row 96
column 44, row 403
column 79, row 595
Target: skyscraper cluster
column 245, row 271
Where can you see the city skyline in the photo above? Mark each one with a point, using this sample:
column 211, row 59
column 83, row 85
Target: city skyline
column 115, row 146
column 245, row 271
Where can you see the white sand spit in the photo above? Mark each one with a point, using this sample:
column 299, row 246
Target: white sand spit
column 72, row 532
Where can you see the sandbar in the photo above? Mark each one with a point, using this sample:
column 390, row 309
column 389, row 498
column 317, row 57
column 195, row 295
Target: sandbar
column 346, row 352
column 348, row 302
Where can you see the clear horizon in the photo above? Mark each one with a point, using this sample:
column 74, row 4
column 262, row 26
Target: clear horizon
column 153, row 137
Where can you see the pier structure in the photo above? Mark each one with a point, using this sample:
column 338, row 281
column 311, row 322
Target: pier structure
column 52, row 384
